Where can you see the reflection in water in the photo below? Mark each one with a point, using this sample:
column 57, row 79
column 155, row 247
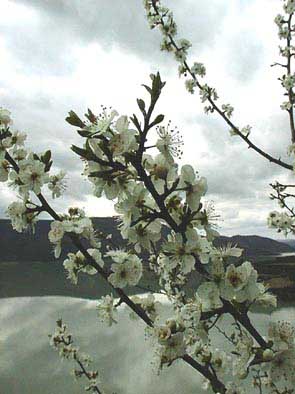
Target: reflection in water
column 29, row 366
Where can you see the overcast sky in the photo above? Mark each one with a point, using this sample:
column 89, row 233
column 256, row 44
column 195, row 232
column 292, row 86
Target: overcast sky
column 58, row 55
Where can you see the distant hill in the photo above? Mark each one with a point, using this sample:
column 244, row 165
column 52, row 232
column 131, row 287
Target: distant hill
column 28, row 268
column 290, row 242
column 23, row 247
column 255, row 245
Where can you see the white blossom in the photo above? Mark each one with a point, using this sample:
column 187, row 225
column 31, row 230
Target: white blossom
column 169, row 143
column 20, row 219
column 56, row 184
column 240, row 283
column 32, row 174
column 5, row 118
column 210, row 296
column 227, row 109
column 102, row 123
column 198, row 69
column 190, row 85
column 4, row 170
column 283, row 335
column 55, row 236
column 107, row 311
column 195, row 187
column 127, row 269
column 75, row 263
column 283, row 366
column 233, row 388
column 288, row 81
column 18, row 139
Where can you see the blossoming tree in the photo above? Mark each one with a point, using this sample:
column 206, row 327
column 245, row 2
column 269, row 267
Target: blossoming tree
column 127, row 162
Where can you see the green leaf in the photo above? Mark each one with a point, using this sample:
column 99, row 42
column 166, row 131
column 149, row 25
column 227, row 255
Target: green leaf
column 48, row 165
column 90, row 116
column 100, row 174
column 4, row 134
column 136, row 122
column 148, row 89
column 84, row 133
column 86, row 154
column 157, row 86
column 74, row 120
column 158, row 120
column 46, row 157
column 90, row 154
column 141, row 105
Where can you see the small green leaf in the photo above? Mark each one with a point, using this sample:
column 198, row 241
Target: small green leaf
column 158, row 120
column 90, row 116
column 4, row 134
column 100, row 174
column 157, row 86
column 148, row 88
column 74, row 120
column 46, row 157
column 84, row 133
column 88, row 155
column 141, row 105
column 136, row 122
column 48, row 165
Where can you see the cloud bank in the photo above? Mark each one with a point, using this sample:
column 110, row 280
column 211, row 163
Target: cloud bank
column 66, row 54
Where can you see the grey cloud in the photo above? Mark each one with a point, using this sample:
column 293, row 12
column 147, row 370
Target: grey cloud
column 238, row 178
column 65, row 23
column 243, row 55
column 233, row 170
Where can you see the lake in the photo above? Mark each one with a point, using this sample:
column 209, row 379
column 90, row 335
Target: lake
column 28, row 365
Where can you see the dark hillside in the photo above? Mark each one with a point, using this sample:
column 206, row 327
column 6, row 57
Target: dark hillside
column 36, row 247
column 255, row 245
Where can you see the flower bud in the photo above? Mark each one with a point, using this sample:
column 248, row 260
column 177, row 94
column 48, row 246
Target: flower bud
column 163, row 333
column 172, row 324
column 242, row 374
column 4, row 117
column 267, row 355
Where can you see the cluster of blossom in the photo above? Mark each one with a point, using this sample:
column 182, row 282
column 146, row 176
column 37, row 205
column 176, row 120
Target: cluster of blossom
column 279, row 360
column 27, row 173
column 62, row 341
column 281, row 221
column 141, row 223
column 169, row 142
column 126, row 269
column 161, row 212
column 107, row 310
column 162, row 17
column 291, row 153
column 188, row 332
column 285, row 32
column 149, row 304
column 75, row 222
column 76, row 263
column 239, row 282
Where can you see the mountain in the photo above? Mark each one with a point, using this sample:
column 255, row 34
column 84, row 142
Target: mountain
column 28, row 268
column 22, row 247
column 255, row 245
column 290, row 242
